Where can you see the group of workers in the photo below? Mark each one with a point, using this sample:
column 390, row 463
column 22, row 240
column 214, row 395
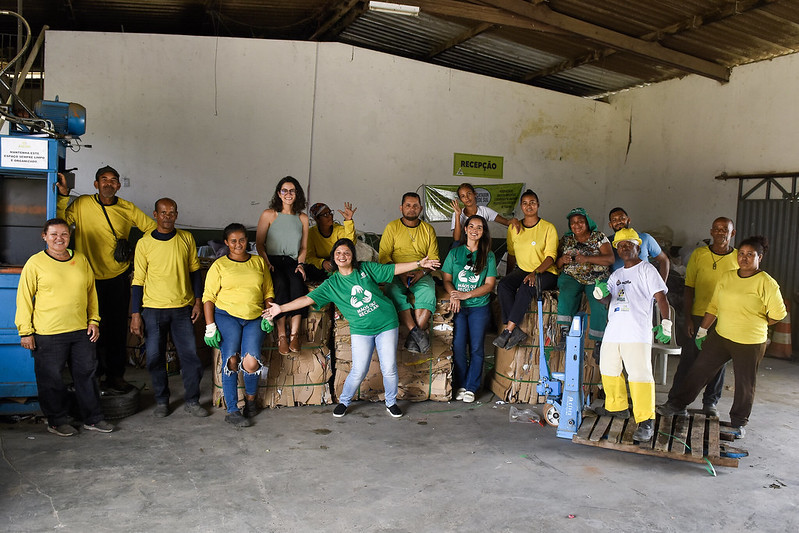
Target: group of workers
column 72, row 307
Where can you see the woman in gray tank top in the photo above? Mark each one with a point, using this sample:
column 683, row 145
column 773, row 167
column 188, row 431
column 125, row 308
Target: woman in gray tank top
column 282, row 240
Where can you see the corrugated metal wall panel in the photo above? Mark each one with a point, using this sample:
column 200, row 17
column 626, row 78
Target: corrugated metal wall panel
column 778, row 220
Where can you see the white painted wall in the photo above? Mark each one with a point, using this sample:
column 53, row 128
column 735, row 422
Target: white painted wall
column 357, row 125
column 686, row 132
column 215, row 123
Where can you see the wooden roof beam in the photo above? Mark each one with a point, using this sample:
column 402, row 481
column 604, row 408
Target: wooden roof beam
column 618, row 41
column 335, row 15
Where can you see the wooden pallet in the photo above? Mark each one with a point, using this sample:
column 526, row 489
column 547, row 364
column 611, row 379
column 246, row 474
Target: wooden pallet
column 698, row 431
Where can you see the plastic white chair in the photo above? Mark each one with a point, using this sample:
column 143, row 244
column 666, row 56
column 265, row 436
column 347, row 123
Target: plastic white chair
column 661, row 352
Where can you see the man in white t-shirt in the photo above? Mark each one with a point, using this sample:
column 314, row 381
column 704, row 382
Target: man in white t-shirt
column 627, row 343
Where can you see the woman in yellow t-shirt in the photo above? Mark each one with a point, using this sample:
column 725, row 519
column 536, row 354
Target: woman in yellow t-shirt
column 746, row 301
column 59, row 322
column 238, row 288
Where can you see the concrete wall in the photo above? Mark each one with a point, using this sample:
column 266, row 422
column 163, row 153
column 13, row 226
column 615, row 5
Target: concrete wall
column 685, row 132
column 215, row 123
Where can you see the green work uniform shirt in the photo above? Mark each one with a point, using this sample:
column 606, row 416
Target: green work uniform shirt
column 457, row 264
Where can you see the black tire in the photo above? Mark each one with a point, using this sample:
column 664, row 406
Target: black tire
column 117, row 406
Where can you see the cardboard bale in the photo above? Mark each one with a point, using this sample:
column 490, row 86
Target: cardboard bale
column 293, row 379
column 421, row 376
column 517, row 370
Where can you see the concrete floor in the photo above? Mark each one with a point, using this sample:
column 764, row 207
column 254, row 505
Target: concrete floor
column 442, row 467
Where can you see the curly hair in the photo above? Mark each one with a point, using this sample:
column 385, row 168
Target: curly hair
column 299, row 200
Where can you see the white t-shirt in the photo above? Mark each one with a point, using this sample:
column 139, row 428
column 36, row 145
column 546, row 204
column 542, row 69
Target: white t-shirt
column 630, row 312
column 485, row 212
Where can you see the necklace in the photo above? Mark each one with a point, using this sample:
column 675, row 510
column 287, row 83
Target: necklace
column 713, row 256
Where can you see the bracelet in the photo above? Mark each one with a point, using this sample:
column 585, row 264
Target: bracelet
column 419, row 263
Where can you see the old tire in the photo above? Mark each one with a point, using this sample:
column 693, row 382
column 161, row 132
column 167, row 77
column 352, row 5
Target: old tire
column 117, row 406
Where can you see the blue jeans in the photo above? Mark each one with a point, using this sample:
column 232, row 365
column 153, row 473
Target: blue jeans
column 362, row 348
column 239, row 337
column 470, row 329
column 52, row 354
column 177, row 321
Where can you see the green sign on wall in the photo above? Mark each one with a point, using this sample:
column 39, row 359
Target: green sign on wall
column 502, row 198
column 477, row 166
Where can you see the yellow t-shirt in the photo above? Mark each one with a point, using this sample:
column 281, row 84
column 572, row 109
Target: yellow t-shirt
column 533, row 245
column 319, row 247
column 163, row 268
column 93, row 236
column 401, row 244
column 742, row 306
column 239, row 287
column 56, row 296
column 703, row 277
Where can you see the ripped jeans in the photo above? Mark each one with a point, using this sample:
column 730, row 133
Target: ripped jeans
column 239, row 337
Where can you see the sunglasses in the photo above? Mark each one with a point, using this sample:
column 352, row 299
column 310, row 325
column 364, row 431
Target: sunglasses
column 470, row 261
column 325, row 214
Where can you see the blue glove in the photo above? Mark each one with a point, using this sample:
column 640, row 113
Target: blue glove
column 266, row 325
column 601, row 290
column 212, row 336
column 701, row 337
column 663, row 331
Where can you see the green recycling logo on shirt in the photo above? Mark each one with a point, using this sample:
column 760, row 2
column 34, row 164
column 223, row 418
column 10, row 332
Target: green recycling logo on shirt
column 468, row 277
column 360, row 297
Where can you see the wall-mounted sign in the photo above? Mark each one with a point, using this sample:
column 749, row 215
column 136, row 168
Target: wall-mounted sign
column 21, row 152
column 501, row 198
column 477, row 166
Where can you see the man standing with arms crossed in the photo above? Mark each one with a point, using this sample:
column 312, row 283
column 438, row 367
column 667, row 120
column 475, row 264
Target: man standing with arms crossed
column 405, row 240
column 167, row 296
column 100, row 221
column 705, row 268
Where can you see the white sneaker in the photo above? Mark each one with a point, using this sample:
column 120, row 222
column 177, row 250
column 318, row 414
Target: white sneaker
column 459, row 394
column 468, row 397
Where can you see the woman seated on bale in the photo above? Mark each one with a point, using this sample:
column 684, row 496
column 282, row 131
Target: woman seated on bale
column 584, row 258
column 322, row 237
column 531, row 252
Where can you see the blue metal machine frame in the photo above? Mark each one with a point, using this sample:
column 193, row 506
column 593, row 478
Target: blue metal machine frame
column 18, row 390
column 563, row 390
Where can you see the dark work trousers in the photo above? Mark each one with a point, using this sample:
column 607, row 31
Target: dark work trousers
column 52, row 353
column 515, row 295
column 315, row 274
column 716, row 351
column 289, row 284
column 113, row 295
column 687, row 357
column 177, row 321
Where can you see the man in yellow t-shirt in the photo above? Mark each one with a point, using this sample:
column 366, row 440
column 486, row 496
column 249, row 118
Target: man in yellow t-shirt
column 404, row 240
column 167, row 297
column 94, row 216
column 705, row 267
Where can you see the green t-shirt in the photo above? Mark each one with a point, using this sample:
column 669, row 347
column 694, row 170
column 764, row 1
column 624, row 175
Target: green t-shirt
column 463, row 277
column 358, row 297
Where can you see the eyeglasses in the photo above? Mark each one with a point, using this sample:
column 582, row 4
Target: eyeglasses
column 325, row 214
column 286, row 192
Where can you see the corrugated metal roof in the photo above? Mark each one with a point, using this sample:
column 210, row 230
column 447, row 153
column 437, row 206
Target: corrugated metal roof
column 580, row 47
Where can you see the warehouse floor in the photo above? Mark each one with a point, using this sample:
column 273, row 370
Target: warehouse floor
column 442, row 467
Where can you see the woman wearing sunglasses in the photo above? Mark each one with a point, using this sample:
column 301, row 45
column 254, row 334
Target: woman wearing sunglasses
column 470, row 273
column 322, row 237
column 282, row 240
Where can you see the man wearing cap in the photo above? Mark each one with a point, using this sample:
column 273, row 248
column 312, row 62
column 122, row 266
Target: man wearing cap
column 705, row 268
column 100, row 220
column 167, row 297
column 322, row 237
column 627, row 344
column 649, row 246
column 405, row 240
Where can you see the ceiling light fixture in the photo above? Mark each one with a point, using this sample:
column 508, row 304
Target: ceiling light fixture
column 394, row 9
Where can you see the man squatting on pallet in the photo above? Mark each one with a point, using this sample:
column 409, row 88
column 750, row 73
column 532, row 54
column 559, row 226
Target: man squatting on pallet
column 628, row 335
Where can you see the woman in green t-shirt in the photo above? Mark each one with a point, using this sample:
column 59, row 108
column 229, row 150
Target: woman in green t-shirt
column 470, row 273
column 353, row 288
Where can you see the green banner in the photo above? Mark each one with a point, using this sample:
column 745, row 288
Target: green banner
column 477, row 166
column 501, row 198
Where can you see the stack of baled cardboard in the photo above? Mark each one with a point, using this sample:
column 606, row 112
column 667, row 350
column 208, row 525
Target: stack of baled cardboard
column 517, row 371
column 293, row 379
column 421, row 376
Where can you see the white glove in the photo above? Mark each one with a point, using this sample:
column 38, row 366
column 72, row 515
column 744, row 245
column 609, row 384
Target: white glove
column 210, row 329
column 701, row 333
